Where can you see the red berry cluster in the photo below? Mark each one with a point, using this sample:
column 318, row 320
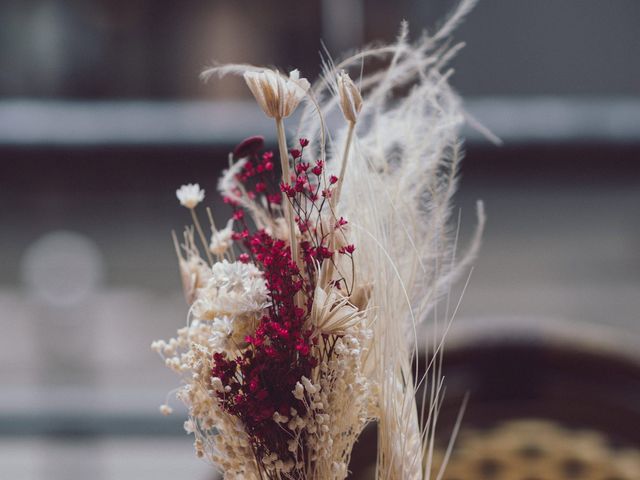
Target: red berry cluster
column 257, row 173
column 309, row 193
column 260, row 381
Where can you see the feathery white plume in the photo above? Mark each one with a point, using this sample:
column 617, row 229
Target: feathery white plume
column 403, row 168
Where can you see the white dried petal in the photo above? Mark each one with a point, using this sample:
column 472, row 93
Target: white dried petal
column 190, row 195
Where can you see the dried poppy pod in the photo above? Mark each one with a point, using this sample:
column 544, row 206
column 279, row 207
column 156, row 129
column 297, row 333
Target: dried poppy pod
column 350, row 97
column 277, row 95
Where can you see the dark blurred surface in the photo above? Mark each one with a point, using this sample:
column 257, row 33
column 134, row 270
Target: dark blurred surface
column 155, row 49
column 557, row 396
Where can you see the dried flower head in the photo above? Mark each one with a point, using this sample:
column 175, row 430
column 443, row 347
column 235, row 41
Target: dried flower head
column 332, row 313
column 166, row 409
column 190, row 195
column 222, row 240
column 350, row 97
column 233, row 289
column 277, row 95
column 194, row 275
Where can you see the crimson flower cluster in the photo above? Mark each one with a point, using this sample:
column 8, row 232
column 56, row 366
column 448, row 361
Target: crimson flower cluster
column 260, row 380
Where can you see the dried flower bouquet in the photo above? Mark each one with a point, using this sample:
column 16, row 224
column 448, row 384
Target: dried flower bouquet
column 304, row 307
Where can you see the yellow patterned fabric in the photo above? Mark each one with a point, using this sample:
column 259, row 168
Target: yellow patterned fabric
column 537, row 450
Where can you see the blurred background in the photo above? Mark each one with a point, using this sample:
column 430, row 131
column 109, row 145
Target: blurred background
column 103, row 116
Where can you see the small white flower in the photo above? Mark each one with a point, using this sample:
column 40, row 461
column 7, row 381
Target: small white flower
column 190, row 195
column 217, row 385
column 221, row 332
column 298, row 392
column 234, row 289
column 339, row 469
column 158, row 346
column 308, row 386
column 277, row 95
column 278, row 418
column 166, row 409
column 350, row 98
column 189, row 427
column 222, row 239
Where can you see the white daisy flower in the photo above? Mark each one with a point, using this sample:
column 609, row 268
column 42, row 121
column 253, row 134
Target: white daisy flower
column 190, row 195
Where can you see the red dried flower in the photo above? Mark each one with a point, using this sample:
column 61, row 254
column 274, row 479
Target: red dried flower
column 349, row 249
column 260, row 381
column 317, row 170
column 295, row 153
column 288, row 190
column 302, row 167
column 274, row 198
